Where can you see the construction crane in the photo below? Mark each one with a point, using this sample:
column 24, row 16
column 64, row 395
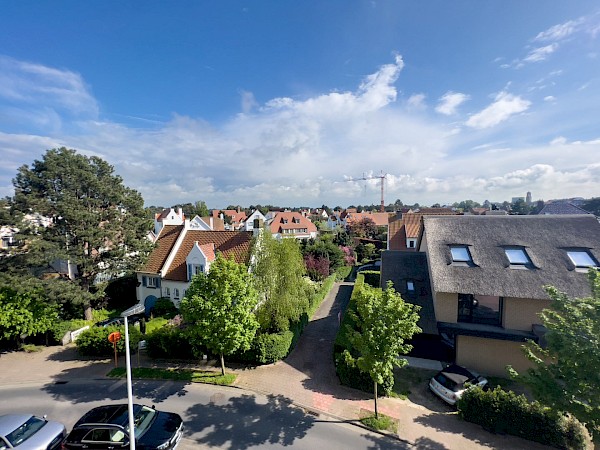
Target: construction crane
column 373, row 177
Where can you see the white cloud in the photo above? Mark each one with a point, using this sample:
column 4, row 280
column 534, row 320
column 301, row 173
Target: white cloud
column 450, row 101
column 248, row 101
column 560, row 31
column 549, row 98
column 505, row 105
column 416, row 102
column 540, row 53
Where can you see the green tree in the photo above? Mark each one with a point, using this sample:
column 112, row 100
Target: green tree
column 219, row 308
column 364, row 228
column 566, row 373
column 384, row 322
column 520, row 207
column 278, row 268
column 24, row 314
column 324, row 247
column 98, row 224
column 466, row 205
column 592, row 205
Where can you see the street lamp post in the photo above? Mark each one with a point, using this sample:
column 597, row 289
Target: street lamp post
column 129, row 390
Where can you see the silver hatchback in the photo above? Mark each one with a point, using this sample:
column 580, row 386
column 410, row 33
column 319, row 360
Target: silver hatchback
column 450, row 383
column 28, row 432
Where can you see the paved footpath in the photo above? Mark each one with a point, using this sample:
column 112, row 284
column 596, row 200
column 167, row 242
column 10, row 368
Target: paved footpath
column 307, row 377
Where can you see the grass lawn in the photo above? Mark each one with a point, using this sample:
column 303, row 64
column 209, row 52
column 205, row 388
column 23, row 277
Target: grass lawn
column 407, row 378
column 157, row 322
column 193, row 376
column 382, row 422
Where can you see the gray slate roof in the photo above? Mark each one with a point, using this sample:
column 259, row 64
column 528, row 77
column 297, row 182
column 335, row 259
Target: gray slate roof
column 401, row 266
column 562, row 208
column 545, row 239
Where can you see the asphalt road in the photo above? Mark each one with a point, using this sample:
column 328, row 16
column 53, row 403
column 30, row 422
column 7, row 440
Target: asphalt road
column 214, row 417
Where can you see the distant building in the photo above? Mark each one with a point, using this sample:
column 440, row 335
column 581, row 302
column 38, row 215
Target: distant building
column 516, row 199
column 528, row 198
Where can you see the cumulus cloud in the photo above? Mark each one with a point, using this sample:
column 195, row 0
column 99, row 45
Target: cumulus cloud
column 25, row 83
column 504, row 106
column 416, row 101
column 450, row 101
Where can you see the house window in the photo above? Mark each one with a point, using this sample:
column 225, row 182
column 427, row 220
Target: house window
column 167, row 292
column 152, row 282
column 582, row 259
column 517, row 257
column 480, row 309
column 194, row 269
column 461, row 254
column 176, row 293
column 411, row 243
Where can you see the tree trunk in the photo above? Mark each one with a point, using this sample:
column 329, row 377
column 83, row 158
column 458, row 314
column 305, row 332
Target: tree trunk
column 87, row 310
column 222, row 365
column 376, row 415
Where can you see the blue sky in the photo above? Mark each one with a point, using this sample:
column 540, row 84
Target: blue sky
column 282, row 102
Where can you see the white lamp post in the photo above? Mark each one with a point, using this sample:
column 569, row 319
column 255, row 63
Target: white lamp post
column 129, row 390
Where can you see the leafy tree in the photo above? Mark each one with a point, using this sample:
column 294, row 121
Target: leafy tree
column 466, row 205
column 366, row 251
column 592, row 205
column 316, row 267
column 364, row 228
column 384, row 322
column 279, row 270
column 520, row 207
column 219, row 308
column 566, row 374
column 324, row 247
column 97, row 222
column 341, row 237
column 24, row 313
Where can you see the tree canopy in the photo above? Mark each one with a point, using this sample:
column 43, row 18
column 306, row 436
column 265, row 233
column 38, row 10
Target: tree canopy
column 566, row 373
column 279, row 271
column 384, row 321
column 219, row 308
column 97, row 223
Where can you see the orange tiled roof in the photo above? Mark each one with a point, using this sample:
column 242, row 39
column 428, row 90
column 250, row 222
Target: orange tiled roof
column 279, row 224
column 218, row 223
column 229, row 243
column 380, row 219
column 208, row 250
column 409, row 226
column 164, row 244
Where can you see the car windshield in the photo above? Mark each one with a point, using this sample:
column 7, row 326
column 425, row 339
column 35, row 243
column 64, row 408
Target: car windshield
column 142, row 420
column 448, row 383
column 25, row 431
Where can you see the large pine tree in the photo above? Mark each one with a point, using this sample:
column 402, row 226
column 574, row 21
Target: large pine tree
column 97, row 223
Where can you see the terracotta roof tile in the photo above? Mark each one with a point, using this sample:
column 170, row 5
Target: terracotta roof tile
column 164, row 244
column 229, row 243
column 209, row 251
column 279, row 224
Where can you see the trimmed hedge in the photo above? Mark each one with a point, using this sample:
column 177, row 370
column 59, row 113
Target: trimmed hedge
column 342, row 273
column 94, row 341
column 372, row 277
column 349, row 375
column 505, row 412
column 164, row 307
column 169, row 342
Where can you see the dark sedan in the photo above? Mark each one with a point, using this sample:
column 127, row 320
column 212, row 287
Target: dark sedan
column 107, row 427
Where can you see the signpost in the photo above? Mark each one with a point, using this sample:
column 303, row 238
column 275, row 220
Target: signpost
column 113, row 338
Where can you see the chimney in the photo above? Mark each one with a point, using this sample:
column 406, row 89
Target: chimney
column 180, row 212
column 211, row 223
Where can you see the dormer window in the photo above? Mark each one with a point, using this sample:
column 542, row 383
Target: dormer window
column 461, row 254
column 582, row 259
column 517, row 257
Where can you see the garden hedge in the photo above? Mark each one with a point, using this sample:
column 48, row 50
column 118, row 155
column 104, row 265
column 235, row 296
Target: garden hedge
column 94, row 341
column 505, row 412
column 169, row 342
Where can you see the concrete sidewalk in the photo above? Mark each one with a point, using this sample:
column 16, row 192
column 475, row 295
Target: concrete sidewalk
column 307, row 378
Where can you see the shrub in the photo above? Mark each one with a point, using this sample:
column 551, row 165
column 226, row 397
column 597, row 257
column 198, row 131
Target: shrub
column 353, row 377
column 500, row 411
column 342, row 273
column 372, row 277
column 169, row 342
column 94, row 341
column 164, row 307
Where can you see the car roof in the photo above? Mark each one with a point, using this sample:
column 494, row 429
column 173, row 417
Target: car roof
column 458, row 374
column 113, row 414
column 10, row 422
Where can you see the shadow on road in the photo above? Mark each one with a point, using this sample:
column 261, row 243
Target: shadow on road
column 241, row 422
column 68, row 387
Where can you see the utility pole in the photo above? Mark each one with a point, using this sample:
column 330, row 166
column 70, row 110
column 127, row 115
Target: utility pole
column 372, row 177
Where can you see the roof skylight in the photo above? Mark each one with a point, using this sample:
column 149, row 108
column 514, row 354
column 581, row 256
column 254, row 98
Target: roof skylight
column 581, row 258
column 517, row 256
column 460, row 253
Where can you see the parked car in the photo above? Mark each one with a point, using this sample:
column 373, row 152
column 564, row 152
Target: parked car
column 28, row 432
column 107, row 427
column 450, row 383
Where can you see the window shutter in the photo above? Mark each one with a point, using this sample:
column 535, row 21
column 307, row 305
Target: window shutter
column 144, row 281
column 189, row 272
column 158, row 282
